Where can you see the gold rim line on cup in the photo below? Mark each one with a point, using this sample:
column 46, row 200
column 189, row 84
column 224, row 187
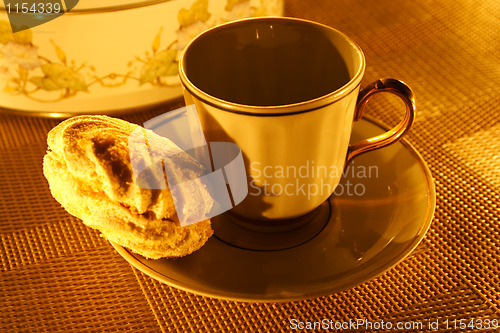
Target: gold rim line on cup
column 274, row 110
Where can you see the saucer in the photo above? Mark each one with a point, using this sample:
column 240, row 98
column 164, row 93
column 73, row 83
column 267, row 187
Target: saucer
column 378, row 214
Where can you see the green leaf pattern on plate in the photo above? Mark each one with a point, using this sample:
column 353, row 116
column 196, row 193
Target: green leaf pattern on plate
column 58, row 76
column 197, row 12
column 162, row 64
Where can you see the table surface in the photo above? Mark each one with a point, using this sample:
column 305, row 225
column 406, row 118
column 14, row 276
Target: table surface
column 58, row 275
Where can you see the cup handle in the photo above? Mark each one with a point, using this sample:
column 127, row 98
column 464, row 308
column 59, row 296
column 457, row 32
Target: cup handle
column 401, row 90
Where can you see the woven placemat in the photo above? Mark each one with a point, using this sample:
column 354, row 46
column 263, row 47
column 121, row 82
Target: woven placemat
column 58, row 275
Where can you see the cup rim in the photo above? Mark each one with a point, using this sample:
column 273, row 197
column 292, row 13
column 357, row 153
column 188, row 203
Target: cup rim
column 271, row 110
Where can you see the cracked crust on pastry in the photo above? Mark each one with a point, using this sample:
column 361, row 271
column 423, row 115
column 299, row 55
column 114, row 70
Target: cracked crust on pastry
column 89, row 171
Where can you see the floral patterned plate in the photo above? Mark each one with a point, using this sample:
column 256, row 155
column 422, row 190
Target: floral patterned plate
column 105, row 58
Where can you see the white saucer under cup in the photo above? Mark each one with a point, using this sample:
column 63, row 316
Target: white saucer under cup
column 364, row 236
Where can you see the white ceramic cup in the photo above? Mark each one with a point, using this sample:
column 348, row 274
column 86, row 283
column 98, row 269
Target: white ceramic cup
column 286, row 91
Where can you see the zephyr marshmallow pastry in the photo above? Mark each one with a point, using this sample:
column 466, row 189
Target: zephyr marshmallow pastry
column 89, row 167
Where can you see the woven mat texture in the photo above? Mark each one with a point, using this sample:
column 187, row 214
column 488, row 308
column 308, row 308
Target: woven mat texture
column 58, row 275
